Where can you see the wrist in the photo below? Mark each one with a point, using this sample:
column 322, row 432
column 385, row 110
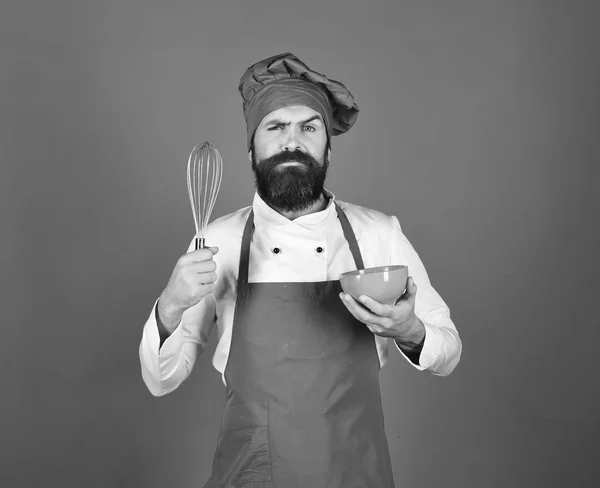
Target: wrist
column 414, row 334
column 168, row 316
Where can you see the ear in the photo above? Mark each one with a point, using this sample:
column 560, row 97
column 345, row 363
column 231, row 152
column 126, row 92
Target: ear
column 250, row 155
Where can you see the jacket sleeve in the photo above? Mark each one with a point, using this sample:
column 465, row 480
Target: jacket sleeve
column 165, row 367
column 442, row 348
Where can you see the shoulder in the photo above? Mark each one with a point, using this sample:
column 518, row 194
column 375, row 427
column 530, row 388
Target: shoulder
column 363, row 217
column 230, row 226
column 226, row 233
column 375, row 231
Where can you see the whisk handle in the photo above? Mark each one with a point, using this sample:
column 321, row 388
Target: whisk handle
column 199, row 243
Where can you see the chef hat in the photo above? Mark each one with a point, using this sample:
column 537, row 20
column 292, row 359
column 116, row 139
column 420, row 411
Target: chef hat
column 283, row 81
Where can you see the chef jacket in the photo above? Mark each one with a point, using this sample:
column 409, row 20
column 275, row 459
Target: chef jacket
column 307, row 249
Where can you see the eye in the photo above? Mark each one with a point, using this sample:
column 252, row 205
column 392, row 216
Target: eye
column 275, row 127
column 309, row 128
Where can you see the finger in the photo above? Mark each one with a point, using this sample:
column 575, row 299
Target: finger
column 202, row 266
column 206, row 278
column 360, row 312
column 205, row 254
column 348, row 304
column 353, row 307
column 213, row 249
column 374, row 306
column 410, row 292
column 411, row 288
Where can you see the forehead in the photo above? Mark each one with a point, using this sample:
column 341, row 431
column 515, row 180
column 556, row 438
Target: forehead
column 292, row 113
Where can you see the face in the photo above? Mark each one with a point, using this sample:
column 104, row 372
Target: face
column 290, row 157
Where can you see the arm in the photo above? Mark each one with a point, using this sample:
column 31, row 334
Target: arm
column 171, row 339
column 412, row 344
column 166, row 363
column 442, row 347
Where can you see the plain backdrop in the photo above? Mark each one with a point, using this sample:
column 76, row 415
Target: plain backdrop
column 478, row 129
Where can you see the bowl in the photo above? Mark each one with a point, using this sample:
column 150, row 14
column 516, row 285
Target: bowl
column 384, row 284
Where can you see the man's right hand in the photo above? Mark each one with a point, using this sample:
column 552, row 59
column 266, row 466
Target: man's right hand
column 192, row 279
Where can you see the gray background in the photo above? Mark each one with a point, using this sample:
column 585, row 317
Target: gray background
column 478, row 129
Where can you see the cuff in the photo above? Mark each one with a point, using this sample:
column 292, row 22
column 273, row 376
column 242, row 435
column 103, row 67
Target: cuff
column 431, row 348
column 172, row 344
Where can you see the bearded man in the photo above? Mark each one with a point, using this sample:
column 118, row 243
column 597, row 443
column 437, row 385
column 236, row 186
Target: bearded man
column 300, row 359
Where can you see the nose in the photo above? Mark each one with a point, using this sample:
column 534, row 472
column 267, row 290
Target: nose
column 291, row 142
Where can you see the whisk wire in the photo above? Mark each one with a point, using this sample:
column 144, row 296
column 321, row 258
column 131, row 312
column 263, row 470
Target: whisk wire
column 204, row 175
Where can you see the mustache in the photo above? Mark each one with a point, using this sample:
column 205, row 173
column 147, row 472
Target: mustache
column 287, row 156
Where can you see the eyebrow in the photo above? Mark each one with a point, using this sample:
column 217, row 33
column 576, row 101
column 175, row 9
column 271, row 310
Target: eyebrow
column 303, row 122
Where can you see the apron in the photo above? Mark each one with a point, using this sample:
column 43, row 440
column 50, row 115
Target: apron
column 303, row 406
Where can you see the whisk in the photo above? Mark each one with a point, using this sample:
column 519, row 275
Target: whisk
column 204, row 173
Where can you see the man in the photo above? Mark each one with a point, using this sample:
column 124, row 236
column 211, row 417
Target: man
column 300, row 359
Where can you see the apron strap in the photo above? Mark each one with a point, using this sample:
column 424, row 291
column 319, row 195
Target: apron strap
column 350, row 237
column 245, row 250
column 249, row 231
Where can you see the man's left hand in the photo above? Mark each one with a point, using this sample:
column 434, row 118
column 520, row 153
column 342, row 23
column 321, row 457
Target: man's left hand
column 397, row 321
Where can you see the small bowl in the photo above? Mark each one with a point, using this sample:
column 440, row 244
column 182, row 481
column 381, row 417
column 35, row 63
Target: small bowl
column 384, row 284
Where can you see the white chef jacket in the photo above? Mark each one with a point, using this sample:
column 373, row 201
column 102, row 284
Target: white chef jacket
column 381, row 242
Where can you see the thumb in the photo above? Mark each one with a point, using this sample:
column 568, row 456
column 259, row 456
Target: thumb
column 411, row 287
column 214, row 249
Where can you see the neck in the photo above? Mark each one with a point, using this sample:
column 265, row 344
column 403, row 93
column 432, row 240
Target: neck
column 317, row 206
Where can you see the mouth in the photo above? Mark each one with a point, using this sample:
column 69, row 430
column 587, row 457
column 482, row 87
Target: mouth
column 291, row 163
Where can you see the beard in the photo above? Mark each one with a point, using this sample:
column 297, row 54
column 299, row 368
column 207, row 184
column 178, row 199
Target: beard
column 290, row 188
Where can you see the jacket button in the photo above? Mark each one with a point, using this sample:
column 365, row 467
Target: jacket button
column 276, row 250
column 319, row 249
